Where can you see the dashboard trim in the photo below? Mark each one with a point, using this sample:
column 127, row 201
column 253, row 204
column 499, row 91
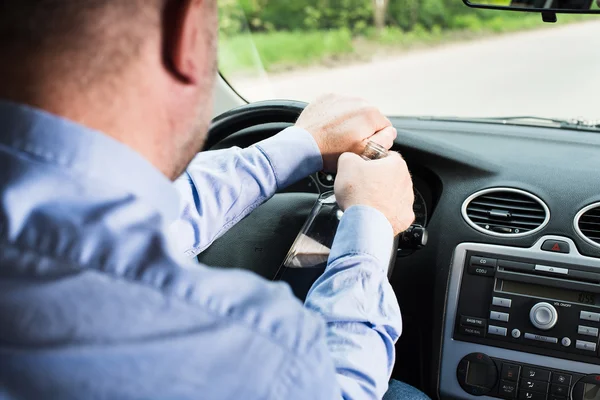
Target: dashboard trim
column 454, row 350
column 510, row 190
column 576, row 223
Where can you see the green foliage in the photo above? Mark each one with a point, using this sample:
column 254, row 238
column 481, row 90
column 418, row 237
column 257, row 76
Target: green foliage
column 404, row 14
column 355, row 15
column 466, row 22
column 433, row 12
column 281, row 50
column 292, row 33
column 268, row 15
column 231, row 17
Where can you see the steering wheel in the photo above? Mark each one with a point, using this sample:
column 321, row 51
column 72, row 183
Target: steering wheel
column 261, row 241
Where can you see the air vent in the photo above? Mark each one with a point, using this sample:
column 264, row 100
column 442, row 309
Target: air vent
column 587, row 224
column 506, row 212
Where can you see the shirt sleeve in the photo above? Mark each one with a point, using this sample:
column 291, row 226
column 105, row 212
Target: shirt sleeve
column 359, row 305
column 221, row 187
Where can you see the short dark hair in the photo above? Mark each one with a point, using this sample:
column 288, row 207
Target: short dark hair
column 29, row 27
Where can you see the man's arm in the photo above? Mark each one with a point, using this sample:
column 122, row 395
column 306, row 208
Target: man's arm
column 221, row 187
column 359, row 305
column 354, row 295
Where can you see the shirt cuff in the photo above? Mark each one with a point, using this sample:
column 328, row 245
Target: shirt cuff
column 363, row 230
column 293, row 154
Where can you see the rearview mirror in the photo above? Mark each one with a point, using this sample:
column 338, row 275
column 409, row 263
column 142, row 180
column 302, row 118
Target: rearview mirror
column 548, row 8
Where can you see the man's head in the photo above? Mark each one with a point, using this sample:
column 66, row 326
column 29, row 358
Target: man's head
column 142, row 71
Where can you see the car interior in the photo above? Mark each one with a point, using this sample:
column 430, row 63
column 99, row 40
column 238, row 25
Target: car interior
column 498, row 280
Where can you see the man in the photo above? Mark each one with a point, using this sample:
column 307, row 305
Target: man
column 104, row 104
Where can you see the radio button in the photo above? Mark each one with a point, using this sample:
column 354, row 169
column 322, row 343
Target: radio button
column 559, row 390
column 499, row 316
column 565, row 341
column 543, row 316
column 501, row 302
column 516, row 333
column 561, row 379
column 533, row 385
column 510, row 372
column 471, row 331
column 587, row 331
column 589, row 316
column 537, row 374
column 583, row 345
column 541, row 338
column 553, row 270
column 497, row 330
column 483, row 262
column 507, row 390
column 472, row 321
column 481, row 271
column 529, row 395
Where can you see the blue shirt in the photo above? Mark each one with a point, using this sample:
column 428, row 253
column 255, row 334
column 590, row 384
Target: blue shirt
column 100, row 297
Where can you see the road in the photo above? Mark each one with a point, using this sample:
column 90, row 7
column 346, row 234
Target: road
column 552, row 72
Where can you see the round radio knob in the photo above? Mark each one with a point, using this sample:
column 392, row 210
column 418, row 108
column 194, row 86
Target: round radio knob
column 543, row 316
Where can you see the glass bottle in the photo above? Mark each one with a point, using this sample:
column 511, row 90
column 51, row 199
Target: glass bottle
column 313, row 244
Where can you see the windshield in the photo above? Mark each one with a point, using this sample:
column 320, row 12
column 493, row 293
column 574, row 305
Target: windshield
column 413, row 57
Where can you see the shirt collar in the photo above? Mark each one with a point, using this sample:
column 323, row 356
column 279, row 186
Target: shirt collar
column 68, row 145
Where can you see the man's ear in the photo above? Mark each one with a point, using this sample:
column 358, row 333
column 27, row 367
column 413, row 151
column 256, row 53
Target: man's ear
column 182, row 42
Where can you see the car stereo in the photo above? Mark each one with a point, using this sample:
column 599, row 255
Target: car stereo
column 534, row 312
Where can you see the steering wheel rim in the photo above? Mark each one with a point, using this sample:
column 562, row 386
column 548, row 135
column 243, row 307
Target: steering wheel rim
column 252, row 114
column 281, row 217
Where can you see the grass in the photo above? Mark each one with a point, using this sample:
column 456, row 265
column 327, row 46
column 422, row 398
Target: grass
column 277, row 51
column 282, row 50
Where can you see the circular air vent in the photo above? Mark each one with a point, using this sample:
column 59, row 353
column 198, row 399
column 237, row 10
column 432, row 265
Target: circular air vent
column 587, row 224
column 505, row 212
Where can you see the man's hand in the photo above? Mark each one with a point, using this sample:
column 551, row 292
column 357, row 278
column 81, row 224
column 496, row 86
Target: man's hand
column 342, row 124
column 383, row 184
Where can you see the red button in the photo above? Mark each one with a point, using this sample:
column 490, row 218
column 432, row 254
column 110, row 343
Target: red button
column 556, row 246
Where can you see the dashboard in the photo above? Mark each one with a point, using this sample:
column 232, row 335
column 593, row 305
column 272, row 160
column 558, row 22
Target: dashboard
column 504, row 301
column 504, row 232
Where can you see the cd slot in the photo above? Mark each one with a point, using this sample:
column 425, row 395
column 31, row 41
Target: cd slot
column 557, row 282
column 584, row 276
column 516, row 266
column 543, row 270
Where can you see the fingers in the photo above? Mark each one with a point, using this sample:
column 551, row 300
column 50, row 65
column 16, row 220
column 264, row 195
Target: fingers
column 385, row 137
column 347, row 158
column 395, row 161
column 378, row 120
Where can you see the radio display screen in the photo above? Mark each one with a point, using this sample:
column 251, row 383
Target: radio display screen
column 573, row 296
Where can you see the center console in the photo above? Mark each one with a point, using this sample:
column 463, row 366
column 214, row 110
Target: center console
column 522, row 323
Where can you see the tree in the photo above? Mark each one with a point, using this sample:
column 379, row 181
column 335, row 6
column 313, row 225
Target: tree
column 380, row 13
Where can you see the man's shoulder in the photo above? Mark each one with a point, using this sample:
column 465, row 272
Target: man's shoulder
column 77, row 248
column 92, row 293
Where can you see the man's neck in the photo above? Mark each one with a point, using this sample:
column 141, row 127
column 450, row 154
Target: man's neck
column 119, row 114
